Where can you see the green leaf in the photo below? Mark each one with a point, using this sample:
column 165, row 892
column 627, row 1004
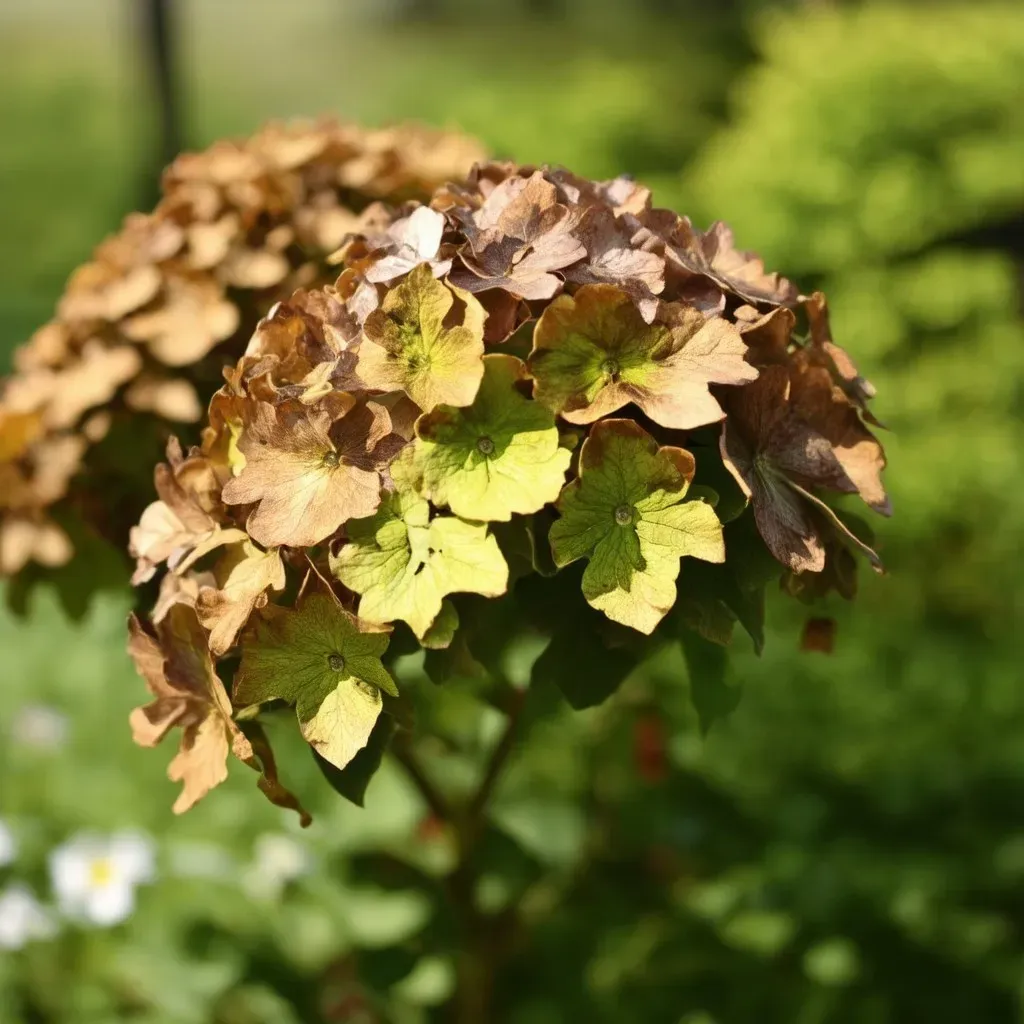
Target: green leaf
column 442, row 629
column 627, row 515
column 352, row 780
column 412, row 345
column 486, row 655
column 580, row 664
column 404, row 562
column 712, row 696
column 496, row 457
column 326, row 662
column 699, row 610
column 712, row 597
column 525, row 545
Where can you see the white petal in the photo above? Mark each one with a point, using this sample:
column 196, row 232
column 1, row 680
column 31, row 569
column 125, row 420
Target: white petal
column 421, row 231
column 23, row 918
column 110, row 904
column 133, row 855
column 70, row 868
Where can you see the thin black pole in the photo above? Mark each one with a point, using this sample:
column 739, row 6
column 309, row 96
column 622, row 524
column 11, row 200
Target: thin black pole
column 158, row 45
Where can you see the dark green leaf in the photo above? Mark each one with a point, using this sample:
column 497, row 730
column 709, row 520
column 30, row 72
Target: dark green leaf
column 712, row 695
column 582, row 667
column 352, row 780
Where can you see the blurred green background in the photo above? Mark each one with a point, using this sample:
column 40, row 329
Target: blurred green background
column 848, row 845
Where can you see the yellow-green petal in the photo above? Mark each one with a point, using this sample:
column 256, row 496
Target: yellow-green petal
column 499, row 456
column 627, row 514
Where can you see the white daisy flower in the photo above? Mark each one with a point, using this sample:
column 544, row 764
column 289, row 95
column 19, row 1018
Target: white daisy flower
column 94, row 877
column 40, row 727
column 8, row 846
column 278, row 859
column 23, row 918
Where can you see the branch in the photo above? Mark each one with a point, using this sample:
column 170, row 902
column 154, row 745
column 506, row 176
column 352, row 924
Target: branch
column 496, row 762
column 481, row 948
column 432, row 796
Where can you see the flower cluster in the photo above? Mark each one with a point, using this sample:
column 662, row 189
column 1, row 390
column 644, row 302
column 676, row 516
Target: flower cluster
column 93, row 877
column 533, row 376
column 143, row 329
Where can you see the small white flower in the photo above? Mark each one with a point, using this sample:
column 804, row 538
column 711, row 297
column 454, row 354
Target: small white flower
column 8, row 846
column 278, row 859
column 23, row 918
column 94, row 877
column 40, row 727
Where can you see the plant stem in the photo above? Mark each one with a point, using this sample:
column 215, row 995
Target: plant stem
column 481, row 939
column 496, row 762
column 432, row 796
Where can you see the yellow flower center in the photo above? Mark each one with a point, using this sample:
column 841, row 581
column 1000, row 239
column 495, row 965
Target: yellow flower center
column 101, row 872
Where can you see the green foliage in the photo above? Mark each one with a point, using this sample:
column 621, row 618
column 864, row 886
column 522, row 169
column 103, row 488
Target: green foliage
column 872, row 150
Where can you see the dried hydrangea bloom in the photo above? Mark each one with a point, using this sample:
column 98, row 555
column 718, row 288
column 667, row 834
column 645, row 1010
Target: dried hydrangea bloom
column 535, row 381
column 143, row 329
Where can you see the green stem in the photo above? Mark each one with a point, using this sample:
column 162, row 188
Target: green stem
column 432, row 796
column 498, row 759
column 481, row 947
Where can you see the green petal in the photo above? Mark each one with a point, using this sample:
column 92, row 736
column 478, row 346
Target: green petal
column 588, row 349
column 403, row 564
column 327, row 663
column 628, row 516
column 593, row 353
column 498, row 457
column 412, row 346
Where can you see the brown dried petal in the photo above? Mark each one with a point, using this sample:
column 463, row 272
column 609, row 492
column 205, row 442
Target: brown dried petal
column 743, row 272
column 254, row 269
column 194, row 318
column 178, row 671
column 837, row 359
column 612, row 257
column 520, row 235
column 303, row 483
column 171, row 399
column 819, row 635
column 25, row 539
column 828, row 411
column 244, row 573
column 98, row 291
column 767, row 334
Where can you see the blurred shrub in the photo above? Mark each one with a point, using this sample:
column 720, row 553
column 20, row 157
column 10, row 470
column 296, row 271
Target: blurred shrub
column 877, row 149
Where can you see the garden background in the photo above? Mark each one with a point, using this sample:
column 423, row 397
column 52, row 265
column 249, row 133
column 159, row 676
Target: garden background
column 848, row 844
